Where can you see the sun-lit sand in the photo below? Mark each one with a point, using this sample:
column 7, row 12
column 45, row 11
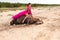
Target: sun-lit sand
column 49, row 30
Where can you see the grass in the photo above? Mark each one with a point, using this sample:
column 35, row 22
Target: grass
column 9, row 14
column 12, row 9
column 21, row 8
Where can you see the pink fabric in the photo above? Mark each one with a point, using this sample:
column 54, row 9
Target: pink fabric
column 19, row 15
column 28, row 8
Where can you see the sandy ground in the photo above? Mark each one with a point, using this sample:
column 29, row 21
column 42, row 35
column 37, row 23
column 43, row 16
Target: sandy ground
column 49, row 30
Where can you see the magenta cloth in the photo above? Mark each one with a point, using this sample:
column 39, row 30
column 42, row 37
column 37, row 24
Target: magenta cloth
column 28, row 8
column 19, row 15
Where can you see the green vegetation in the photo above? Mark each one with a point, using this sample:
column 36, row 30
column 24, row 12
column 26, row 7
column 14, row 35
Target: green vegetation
column 12, row 5
column 9, row 15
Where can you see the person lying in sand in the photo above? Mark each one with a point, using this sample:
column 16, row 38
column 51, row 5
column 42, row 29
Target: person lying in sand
column 24, row 17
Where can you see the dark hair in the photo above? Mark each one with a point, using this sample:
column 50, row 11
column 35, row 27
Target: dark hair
column 28, row 4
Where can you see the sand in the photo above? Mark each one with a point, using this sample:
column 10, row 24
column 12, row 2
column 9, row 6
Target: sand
column 49, row 30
